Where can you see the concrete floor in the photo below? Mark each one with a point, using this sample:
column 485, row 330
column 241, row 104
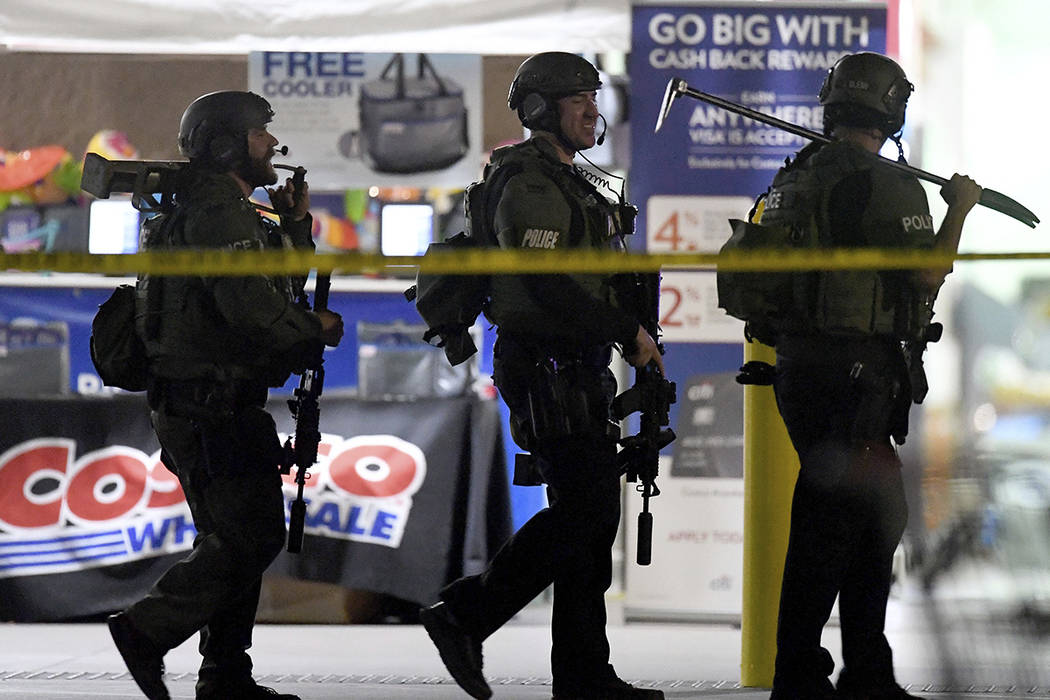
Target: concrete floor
column 76, row 661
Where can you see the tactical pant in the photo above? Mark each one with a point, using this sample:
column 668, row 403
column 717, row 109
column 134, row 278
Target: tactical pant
column 568, row 544
column 847, row 516
column 224, row 462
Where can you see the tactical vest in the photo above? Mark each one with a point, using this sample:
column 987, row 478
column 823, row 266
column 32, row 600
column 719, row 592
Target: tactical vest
column 184, row 333
column 450, row 304
column 594, row 223
column 795, row 213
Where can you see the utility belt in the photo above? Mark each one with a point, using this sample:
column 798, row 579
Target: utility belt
column 533, row 348
column 835, row 349
column 876, row 372
column 569, row 399
column 565, row 399
column 553, row 395
column 204, row 399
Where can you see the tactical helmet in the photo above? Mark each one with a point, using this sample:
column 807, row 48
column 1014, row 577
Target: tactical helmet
column 214, row 126
column 865, row 89
column 544, row 78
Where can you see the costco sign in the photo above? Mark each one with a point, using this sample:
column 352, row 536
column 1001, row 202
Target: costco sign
column 60, row 512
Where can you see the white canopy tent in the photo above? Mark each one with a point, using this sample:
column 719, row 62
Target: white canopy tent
column 241, row 26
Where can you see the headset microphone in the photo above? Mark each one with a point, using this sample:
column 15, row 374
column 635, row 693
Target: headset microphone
column 605, row 127
column 283, row 150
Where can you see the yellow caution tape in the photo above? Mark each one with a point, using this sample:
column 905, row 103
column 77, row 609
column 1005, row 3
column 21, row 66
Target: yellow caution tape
column 484, row 261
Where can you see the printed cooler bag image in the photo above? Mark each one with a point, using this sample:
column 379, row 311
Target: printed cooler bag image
column 412, row 125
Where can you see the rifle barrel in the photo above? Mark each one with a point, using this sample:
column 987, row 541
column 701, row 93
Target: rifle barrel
column 307, row 411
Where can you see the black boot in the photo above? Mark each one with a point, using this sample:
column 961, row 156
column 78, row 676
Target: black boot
column 606, row 689
column 246, row 690
column 816, row 693
column 143, row 658
column 879, row 685
column 460, row 652
column 894, row 692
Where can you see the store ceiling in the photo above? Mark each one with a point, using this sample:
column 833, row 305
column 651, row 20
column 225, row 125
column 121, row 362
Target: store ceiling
column 242, row 26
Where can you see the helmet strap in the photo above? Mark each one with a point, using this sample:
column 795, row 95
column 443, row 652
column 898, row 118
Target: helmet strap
column 550, row 122
column 569, row 146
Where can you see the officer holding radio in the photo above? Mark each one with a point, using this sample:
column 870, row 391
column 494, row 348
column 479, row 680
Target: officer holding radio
column 215, row 344
column 556, row 336
column 848, row 368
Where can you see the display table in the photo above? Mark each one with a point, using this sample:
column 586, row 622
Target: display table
column 406, row 497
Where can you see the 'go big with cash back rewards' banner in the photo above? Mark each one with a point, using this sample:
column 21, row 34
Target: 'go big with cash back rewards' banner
column 704, row 167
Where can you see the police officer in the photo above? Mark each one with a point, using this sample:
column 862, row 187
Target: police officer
column 215, row 345
column 555, row 338
column 847, row 371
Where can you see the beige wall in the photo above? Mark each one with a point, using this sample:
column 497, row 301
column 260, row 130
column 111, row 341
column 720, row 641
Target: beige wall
column 65, row 99
column 500, row 124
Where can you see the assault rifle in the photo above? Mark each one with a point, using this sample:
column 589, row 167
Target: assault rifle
column 305, row 406
column 651, row 396
column 306, row 410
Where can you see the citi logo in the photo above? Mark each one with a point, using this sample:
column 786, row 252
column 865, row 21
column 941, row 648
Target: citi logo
column 540, row 238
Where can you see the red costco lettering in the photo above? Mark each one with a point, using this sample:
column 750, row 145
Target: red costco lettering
column 165, row 489
column 377, row 466
column 42, row 487
column 33, row 481
column 107, row 484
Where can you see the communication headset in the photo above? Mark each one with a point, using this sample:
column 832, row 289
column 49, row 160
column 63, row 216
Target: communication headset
column 224, row 149
column 537, row 108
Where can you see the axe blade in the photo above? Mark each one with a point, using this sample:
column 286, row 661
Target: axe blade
column 675, row 87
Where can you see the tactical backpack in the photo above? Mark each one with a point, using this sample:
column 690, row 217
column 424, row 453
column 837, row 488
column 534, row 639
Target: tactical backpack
column 449, row 304
column 117, row 351
column 783, row 218
column 787, row 216
column 768, row 302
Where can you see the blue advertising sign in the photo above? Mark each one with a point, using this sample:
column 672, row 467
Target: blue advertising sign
column 771, row 57
column 60, row 318
column 705, row 166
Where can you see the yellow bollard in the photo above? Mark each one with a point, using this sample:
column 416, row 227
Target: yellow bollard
column 770, row 469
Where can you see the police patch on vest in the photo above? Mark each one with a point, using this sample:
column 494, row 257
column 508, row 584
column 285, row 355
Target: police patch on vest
column 247, row 244
column 917, row 222
column 540, row 238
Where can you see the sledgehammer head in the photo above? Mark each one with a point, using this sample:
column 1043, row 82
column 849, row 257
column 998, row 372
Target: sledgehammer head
column 675, row 87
